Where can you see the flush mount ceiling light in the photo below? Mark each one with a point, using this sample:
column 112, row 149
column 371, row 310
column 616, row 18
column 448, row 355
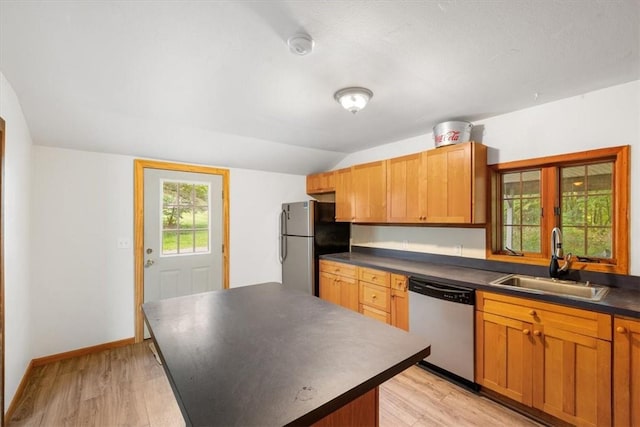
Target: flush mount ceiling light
column 300, row 44
column 353, row 99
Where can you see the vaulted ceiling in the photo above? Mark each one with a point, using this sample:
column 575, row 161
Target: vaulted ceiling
column 214, row 81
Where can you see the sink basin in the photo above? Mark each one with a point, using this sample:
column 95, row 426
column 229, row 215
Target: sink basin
column 540, row 285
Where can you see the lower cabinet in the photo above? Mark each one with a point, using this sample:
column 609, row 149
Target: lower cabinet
column 399, row 302
column 504, row 355
column 375, row 293
column 553, row 358
column 383, row 296
column 338, row 284
column 626, row 372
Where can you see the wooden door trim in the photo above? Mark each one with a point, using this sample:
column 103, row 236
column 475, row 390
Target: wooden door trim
column 2, row 328
column 138, row 208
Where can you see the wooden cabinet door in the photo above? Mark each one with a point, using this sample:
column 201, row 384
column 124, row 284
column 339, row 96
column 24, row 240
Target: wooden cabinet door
column 370, row 192
column 449, row 184
column 572, row 376
column 406, row 189
column 626, row 372
column 320, row 183
column 348, row 293
column 329, row 287
column 344, row 195
column 456, row 184
column 504, row 355
column 399, row 302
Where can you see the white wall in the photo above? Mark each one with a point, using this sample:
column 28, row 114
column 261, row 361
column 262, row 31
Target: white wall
column 604, row 118
column 83, row 202
column 18, row 258
column 256, row 199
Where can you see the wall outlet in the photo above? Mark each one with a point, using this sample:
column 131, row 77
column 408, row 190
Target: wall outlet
column 124, row 243
column 457, row 250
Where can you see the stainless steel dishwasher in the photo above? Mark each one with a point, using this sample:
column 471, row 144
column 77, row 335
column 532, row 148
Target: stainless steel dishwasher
column 444, row 314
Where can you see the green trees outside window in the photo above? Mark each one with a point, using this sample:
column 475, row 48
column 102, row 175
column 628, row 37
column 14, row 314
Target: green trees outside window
column 185, row 218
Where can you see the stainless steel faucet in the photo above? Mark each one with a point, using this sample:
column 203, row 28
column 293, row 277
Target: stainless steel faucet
column 557, row 253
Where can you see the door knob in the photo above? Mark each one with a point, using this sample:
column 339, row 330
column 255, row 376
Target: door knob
column 621, row 329
column 525, row 331
column 537, row 333
column 149, row 263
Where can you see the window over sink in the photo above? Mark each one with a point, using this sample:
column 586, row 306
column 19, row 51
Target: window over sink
column 586, row 194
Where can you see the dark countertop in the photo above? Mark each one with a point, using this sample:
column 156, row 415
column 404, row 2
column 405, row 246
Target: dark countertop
column 265, row 355
column 621, row 301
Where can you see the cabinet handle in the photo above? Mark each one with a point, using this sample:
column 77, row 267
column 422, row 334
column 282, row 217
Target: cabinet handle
column 374, row 296
column 537, row 333
column 525, row 331
column 621, row 330
column 373, row 277
column 532, row 312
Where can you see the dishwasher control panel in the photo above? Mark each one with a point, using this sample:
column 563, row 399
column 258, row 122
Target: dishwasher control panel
column 442, row 291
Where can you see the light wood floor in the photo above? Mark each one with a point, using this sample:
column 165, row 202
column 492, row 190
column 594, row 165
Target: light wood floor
column 127, row 387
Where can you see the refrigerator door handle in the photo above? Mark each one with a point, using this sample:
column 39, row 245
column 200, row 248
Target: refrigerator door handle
column 283, row 239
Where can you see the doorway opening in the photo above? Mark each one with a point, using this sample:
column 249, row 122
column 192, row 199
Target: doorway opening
column 186, row 219
column 2, row 328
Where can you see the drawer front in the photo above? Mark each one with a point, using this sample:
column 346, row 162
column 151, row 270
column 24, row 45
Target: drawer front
column 374, row 313
column 375, row 296
column 584, row 322
column 377, row 277
column 338, row 268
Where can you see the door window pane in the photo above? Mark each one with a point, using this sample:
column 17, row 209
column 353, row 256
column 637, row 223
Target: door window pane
column 169, row 242
column 185, row 218
column 202, row 241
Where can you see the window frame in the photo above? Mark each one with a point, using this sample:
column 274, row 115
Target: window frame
column 549, row 188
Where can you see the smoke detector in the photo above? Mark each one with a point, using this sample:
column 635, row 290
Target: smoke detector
column 300, row 44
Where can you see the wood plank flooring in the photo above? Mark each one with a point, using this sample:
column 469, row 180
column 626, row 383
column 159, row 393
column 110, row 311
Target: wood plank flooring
column 127, row 387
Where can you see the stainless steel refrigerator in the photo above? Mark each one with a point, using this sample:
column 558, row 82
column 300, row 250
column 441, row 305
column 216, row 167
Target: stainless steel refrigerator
column 307, row 230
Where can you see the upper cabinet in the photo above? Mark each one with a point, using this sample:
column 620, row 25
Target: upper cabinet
column 456, row 184
column 407, row 189
column 370, row 192
column 446, row 185
column 344, row 195
column 321, row 183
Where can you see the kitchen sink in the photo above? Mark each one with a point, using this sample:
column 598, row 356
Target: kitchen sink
column 540, row 285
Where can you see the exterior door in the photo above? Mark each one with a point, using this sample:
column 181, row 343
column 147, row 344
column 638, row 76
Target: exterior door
column 181, row 232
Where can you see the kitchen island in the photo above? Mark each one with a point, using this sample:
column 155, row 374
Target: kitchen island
column 265, row 355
